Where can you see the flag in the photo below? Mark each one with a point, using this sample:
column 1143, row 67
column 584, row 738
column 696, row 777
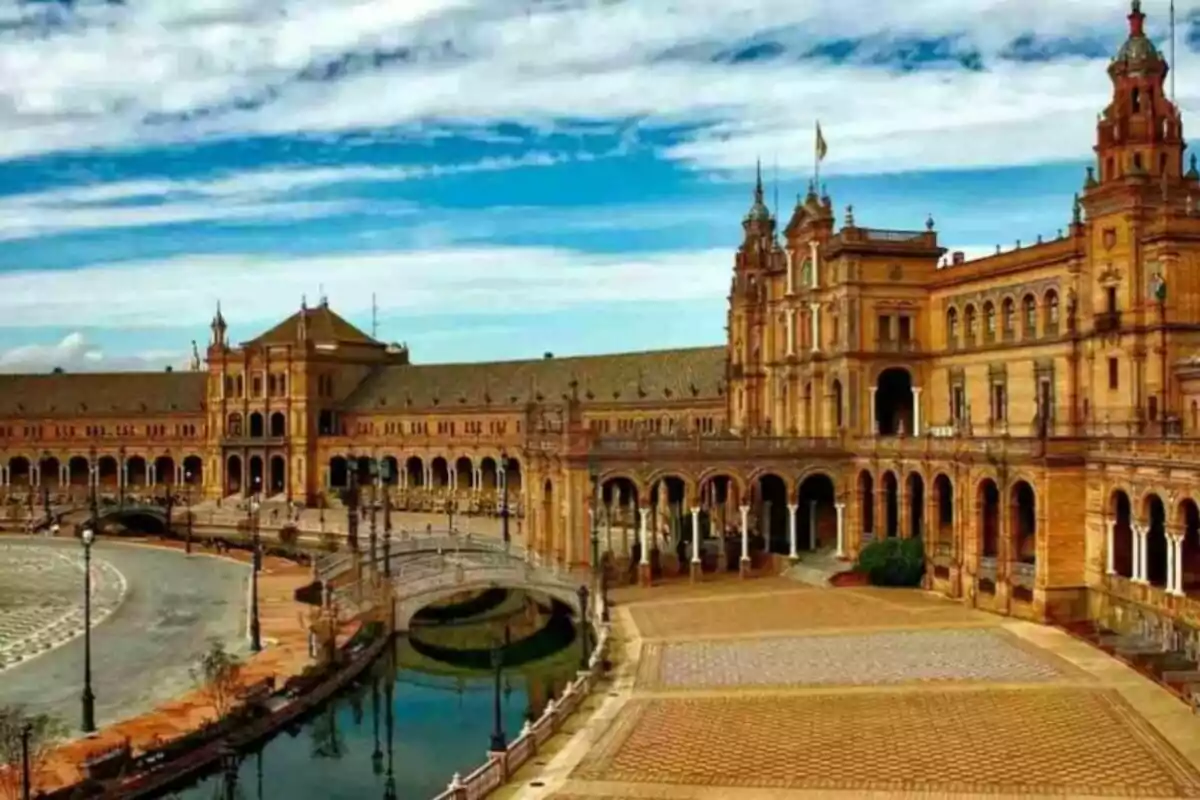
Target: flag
column 822, row 148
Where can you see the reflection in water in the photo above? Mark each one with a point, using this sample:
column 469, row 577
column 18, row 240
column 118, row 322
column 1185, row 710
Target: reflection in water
column 429, row 717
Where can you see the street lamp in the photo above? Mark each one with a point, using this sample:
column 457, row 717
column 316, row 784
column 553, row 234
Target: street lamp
column 499, row 745
column 352, row 508
column 255, row 630
column 504, row 497
column 187, row 540
column 372, row 537
column 88, row 698
column 229, row 764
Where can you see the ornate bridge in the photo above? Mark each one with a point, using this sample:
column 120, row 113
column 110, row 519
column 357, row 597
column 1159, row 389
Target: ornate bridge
column 405, row 545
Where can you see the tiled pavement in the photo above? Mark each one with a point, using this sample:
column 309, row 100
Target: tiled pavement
column 762, row 690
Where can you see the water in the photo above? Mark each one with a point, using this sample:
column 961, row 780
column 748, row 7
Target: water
column 441, row 715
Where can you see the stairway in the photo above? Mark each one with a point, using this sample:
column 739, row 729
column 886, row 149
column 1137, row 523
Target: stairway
column 817, row 568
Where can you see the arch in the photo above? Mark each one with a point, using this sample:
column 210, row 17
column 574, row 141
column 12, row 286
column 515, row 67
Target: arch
column 513, row 475
column 78, row 471
column 414, row 473
column 489, row 475
column 439, row 473
column 135, row 471
column 255, row 474
column 233, row 424
column 1155, row 514
column 866, row 499
column 893, row 402
column 734, row 488
column 277, row 476
column 1122, row 521
column 107, row 470
column 50, row 472
column 989, row 320
column 1050, row 304
column 952, row 325
column 548, row 528
column 914, row 495
column 164, row 471
column 970, row 323
column 1023, row 519
column 391, row 470
column 1029, row 315
column 891, row 504
column 769, row 529
column 233, row 475
column 278, row 425
column 816, row 496
column 464, row 474
column 1189, row 559
column 1008, row 316
column 256, row 425
column 943, row 491
column 193, row 471
column 339, row 473
column 988, row 503
column 619, row 487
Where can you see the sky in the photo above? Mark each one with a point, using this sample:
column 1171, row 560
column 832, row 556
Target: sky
column 505, row 177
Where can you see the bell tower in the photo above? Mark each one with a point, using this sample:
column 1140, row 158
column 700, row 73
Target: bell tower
column 1140, row 133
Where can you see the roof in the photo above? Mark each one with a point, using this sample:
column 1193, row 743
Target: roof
column 323, row 325
column 692, row 373
column 101, row 393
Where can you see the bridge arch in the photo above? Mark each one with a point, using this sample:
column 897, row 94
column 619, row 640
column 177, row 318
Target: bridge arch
column 423, row 593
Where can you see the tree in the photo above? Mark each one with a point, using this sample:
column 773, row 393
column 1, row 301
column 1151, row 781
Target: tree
column 44, row 731
column 219, row 675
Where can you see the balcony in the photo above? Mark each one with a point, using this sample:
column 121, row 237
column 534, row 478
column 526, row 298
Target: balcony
column 1115, row 448
column 1108, row 322
column 972, row 447
column 714, row 446
column 254, row 441
column 897, row 346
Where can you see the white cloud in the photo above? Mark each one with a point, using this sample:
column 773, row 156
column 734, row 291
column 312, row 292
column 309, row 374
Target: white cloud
column 182, row 292
column 74, row 353
column 480, row 62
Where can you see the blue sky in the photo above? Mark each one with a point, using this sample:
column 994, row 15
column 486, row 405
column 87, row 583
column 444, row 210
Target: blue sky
column 506, row 177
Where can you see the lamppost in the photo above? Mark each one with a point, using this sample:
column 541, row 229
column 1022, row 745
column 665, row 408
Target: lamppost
column 255, row 556
column 584, row 631
column 594, row 477
column 26, row 777
column 352, row 510
column 88, row 698
column 229, row 763
column 499, row 745
column 187, row 540
column 121, row 476
column 504, row 497
column 373, row 537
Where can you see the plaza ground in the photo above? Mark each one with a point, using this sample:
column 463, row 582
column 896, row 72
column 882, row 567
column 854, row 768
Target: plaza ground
column 768, row 689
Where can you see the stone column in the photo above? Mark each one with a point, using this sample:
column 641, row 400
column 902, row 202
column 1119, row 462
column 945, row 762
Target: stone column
column 744, row 563
column 1139, row 549
column 694, row 569
column 1109, row 545
column 871, row 411
column 813, row 280
column 815, row 319
column 840, row 508
column 1175, row 564
column 1170, row 582
column 791, row 331
column 916, row 393
column 791, row 275
column 793, row 553
column 644, row 576
column 151, row 473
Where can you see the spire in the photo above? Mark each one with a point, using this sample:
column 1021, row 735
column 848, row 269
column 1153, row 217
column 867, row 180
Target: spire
column 218, row 327
column 758, row 210
column 1137, row 20
column 758, row 187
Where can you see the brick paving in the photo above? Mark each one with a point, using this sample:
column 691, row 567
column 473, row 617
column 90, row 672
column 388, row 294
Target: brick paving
column 757, row 689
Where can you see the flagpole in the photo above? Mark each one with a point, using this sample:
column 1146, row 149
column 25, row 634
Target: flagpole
column 1172, row 51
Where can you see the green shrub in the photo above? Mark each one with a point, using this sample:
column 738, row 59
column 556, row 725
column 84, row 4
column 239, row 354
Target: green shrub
column 893, row 562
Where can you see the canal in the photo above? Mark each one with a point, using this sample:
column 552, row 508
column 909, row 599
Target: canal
column 423, row 711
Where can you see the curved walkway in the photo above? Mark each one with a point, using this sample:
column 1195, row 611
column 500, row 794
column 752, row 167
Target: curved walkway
column 765, row 689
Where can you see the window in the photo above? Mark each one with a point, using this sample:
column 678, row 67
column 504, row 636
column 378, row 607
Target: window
column 999, row 403
column 1153, row 408
column 1029, row 311
column 958, row 404
column 1051, row 311
column 970, row 323
column 1137, row 162
column 952, row 326
column 1114, row 374
column 1110, row 298
column 885, row 328
column 1009, row 316
column 905, row 329
column 1136, row 100
column 257, row 386
column 989, row 320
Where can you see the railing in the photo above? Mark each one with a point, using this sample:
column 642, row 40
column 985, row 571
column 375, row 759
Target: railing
column 987, row 568
column 502, row 765
column 1022, row 574
column 1174, row 450
column 714, row 445
column 406, row 544
column 1108, row 322
column 254, row 441
column 881, row 235
column 985, row 446
column 897, row 345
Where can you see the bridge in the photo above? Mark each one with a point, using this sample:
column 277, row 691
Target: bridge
column 107, row 513
column 425, row 574
column 405, row 545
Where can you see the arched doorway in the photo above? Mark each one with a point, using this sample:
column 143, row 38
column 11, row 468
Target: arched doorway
column 513, row 477
column 278, row 475
column 1122, row 534
column 488, row 475
column 233, row 475
column 619, row 515
column 943, row 491
column 769, row 530
column 1023, row 513
column 391, row 471
column 1156, row 541
column 255, row 471
column 256, row 425
column 915, row 496
column 193, row 471
column 668, row 534
column 339, row 473
column 50, row 472
column 439, row 474
column 20, row 472
column 720, row 496
column 989, row 519
column 278, row 425
column 106, row 472
column 78, row 471
column 816, row 527
column 464, row 474
column 894, row 402
column 891, row 505
column 414, row 473
column 866, row 505
column 135, row 471
column 164, row 471
column 1189, row 561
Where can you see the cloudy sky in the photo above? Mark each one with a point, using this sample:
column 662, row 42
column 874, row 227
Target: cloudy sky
column 506, row 176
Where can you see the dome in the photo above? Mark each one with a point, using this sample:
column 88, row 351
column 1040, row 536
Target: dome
column 1138, row 49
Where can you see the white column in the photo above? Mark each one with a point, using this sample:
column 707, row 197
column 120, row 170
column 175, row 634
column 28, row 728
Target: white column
column 916, row 393
column 1109, row 545
column 1142, row 537
column 791, row 277
column 793, row 551
column 815, row 319
column 695, row 534
column 644, row 534
column 840, row 508
column 812, row 254
column 452, row 479
column 745, row 532
column 1171, row 564
column 871, row 411
column 151, row 473
column 791, row 331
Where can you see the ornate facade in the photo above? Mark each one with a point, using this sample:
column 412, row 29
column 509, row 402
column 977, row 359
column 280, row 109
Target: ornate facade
column 1033, row 416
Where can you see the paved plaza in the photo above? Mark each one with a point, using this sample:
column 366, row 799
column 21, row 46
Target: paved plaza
column 761, row 689
column 142, row 652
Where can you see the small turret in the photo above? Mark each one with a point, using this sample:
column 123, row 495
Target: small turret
column 219, row 328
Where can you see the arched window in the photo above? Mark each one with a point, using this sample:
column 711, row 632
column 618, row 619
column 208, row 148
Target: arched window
column 989, row 319
column 969, row 315
column 1029, row 311
column 952, row 326
column 1136, row 99
column 1009, row 316
column 234, row 425
column 1051, row 303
